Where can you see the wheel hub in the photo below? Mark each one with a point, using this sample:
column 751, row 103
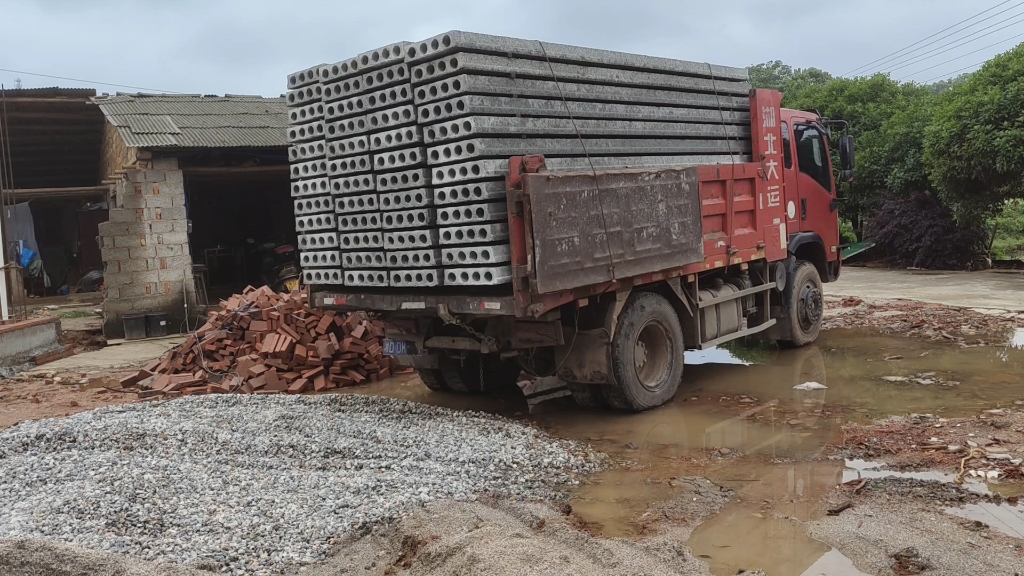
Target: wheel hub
column 652, row 353
column 640, row 355
column 810, row 306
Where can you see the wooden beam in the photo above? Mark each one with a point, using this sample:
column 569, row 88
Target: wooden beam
column 22, row 194
column 229, row 170
column 58, row 99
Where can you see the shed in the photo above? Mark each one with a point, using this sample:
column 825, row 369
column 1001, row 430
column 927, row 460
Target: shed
column 197, row 180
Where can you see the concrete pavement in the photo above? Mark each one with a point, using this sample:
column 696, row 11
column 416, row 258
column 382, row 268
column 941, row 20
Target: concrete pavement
column 123, row 356
column 992, row 290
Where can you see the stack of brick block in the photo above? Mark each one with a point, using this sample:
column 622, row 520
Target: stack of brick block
column 146, row 259
column 260, row 342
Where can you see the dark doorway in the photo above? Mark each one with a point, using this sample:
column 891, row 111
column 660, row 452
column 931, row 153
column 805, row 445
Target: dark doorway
column 234, row 213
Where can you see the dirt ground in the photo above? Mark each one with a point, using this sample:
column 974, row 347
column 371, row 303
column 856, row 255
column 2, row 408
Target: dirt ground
column 506, row 538
column 898, row 526
column 451, row 538
column 34, row 399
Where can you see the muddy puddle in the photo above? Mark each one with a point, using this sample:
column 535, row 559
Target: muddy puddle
column 739, row 422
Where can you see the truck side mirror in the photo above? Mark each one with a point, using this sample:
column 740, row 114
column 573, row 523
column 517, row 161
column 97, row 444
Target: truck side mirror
column 846, row 153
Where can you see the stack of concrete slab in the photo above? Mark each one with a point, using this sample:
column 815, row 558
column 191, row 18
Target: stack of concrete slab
column 418, row 137
column 315, row 220
column 378, row 172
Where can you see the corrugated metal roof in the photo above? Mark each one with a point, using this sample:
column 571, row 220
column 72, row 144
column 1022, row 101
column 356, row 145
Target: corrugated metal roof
column 50, row 92
column 194, row 121
column 143, row 124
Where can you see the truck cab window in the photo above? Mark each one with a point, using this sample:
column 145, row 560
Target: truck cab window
column 787, row 152
column 812, row 156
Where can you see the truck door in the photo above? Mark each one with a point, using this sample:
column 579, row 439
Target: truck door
column 810, row 209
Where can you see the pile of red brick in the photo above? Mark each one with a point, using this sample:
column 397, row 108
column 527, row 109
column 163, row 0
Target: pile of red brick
column 260, row 342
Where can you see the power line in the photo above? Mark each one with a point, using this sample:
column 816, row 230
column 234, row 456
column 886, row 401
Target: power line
column 88, row 81
column 889, row 57
column 937, row 50
column 962, row 55
column 948, row 75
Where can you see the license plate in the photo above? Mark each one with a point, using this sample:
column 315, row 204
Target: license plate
column 398, row 347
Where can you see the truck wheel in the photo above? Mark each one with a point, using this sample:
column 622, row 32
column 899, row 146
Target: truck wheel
column 432, row 379
column 806, row 306
column 501, row 375
column 646, row 354
column 587, row 395
column 461, row 376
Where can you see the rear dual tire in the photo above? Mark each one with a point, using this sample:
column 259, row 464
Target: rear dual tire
column 463, row 376
column 432, row 379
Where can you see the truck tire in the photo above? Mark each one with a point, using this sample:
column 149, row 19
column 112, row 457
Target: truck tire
column 806, row 306
column 646, row 354
column 432, row 379
column 587, row 395
column 461, row 376
column 501, row 375
column 464, row 375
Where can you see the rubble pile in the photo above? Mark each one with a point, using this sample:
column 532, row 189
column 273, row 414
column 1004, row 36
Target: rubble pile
column 962, row 326
column 989, row 446
column 261, row 342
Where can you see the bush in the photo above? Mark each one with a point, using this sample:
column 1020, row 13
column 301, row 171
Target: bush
column 917, row 230
column 847, row 235
column 1009, row 231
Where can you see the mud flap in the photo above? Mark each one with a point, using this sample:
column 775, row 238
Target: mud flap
column 539, row 390
column 783, row 329
column 584, row 358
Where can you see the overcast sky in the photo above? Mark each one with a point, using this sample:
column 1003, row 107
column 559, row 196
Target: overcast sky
column 249, row 46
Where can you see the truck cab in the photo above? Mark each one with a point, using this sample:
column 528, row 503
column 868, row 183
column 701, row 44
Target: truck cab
column 810, row 190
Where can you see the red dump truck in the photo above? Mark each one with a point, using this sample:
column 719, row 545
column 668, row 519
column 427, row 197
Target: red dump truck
column 617, row 273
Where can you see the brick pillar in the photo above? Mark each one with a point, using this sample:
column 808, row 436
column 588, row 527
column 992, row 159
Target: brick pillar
column 146, row 259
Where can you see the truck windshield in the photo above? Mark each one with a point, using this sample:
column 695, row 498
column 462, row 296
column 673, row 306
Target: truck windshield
column 812, row 156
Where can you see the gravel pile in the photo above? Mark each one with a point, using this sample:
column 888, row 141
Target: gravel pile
column 255, row 484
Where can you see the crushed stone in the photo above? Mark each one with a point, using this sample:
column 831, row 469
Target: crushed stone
column 260, row 484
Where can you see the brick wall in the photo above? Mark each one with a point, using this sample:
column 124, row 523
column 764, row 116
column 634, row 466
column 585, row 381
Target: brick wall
column 146, row 260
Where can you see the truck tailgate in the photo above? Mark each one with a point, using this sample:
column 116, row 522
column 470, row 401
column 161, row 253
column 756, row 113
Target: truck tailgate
column 640, row 222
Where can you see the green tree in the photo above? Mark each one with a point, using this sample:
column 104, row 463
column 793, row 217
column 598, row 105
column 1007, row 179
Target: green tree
column 804, row 78
column 974, row 147
column 892, row 157
column 1008, row 231
column 944, row 85
column 776, row 75
column 877, row 109
column 771, row 75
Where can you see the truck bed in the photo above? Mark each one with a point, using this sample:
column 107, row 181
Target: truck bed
column 660, row 223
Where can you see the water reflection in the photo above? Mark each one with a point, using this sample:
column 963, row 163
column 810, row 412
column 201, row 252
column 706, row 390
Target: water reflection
column 1017, row 340
column 713, row 356
column 1002, row 517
